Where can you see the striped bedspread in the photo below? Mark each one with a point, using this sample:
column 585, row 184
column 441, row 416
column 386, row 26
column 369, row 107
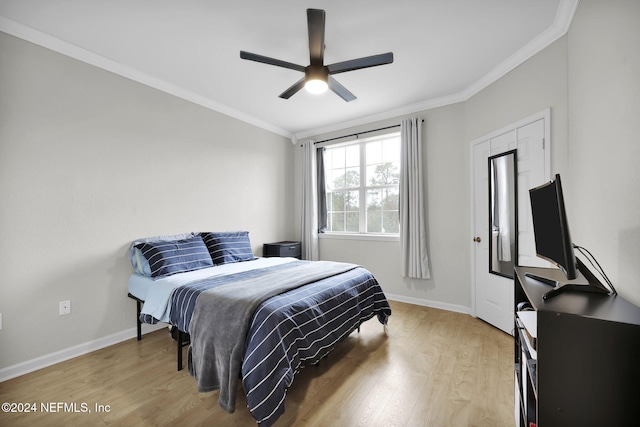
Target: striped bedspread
column 290, row 330
column 300, row 327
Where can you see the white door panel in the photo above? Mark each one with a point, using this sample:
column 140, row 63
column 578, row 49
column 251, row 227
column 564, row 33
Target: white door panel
column 482, row 152
column 531, row 173
column 493, row 293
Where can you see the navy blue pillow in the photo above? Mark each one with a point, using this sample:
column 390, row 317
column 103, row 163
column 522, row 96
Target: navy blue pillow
column 176, row 256
column 228, row 247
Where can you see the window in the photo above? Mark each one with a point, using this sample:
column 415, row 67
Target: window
column 362, row 180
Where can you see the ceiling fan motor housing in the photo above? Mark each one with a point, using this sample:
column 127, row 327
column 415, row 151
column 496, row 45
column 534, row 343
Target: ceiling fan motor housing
column 317, row 76
column 317, row 72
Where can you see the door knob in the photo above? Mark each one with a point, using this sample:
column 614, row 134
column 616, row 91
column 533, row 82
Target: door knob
column 477, row 239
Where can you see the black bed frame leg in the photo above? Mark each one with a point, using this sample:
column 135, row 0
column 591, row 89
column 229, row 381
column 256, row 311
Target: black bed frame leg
column 138, row 322
column 138, row 310
column 180, row 335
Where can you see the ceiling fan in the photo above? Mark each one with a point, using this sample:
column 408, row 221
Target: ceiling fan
column 317, row 76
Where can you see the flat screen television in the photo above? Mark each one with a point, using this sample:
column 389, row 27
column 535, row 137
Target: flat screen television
column 553, row 239
column 551, row 228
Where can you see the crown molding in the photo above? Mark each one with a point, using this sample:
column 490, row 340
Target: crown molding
column 49, row 42
column 562, row 22
column 560, row 26
column 420, row 106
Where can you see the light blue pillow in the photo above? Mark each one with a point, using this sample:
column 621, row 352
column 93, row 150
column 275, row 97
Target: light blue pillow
column 139, row 263
column 228, row 247
column 165, row 258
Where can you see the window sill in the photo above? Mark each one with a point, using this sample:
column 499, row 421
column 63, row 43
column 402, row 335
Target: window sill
column 360, row 236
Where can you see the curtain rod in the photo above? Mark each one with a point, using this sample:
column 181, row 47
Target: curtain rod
column 360, row 133
column 356, row 134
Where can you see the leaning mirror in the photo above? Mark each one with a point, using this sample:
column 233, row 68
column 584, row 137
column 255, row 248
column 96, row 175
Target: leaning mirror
column 503, row 213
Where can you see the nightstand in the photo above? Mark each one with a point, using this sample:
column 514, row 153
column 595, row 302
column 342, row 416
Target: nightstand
column 282, row 249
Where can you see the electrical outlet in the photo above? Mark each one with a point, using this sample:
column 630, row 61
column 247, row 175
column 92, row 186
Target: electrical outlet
column 65, row 307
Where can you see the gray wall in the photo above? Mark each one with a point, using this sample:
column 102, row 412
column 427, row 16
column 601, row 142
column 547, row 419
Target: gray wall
column 604, row 137
column 539, row 83
column 590, row 78
column 446, row 190
column 90, row 161
column 535, row 85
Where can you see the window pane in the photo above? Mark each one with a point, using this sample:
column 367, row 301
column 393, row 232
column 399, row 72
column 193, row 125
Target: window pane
column 352, row 201
column 336, row 157
column 352, row 153
column 343, row 211
column 374, row 221
column 336, row 201
column 353, row 222
column 335, row 178
column 371, row 175
column 342, row 167
column 341, row 178
column 329, row 200
column 374, row 210
column 352, row 178
column 391, row 199
column 391, row 150
column 374, row 152
column 347, row 180
column 390, row 222
column 383, row 162
column 336, row 220
column 382, row 211
column 383, row 174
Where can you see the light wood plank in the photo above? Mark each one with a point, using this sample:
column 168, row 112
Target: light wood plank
column 434, row 368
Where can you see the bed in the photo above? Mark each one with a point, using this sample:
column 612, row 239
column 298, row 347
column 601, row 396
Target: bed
column 250, row 319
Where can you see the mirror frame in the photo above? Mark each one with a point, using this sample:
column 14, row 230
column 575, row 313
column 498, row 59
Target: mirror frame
column 514, row 254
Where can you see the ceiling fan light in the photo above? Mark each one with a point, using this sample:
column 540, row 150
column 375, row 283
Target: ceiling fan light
column 316, row 86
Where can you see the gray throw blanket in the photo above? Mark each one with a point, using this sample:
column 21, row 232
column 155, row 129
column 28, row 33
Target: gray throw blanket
column 222, row 316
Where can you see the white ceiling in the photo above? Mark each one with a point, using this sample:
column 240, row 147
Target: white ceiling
column 444, row 50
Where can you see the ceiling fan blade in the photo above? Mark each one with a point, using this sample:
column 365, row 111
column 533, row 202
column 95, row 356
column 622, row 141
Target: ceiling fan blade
column 356, row 64
column 315, row 22
column 340, row 90
column 270, row 61
column 293, row 89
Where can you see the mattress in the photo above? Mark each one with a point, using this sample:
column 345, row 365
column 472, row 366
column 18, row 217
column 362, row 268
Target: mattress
column 156, row 293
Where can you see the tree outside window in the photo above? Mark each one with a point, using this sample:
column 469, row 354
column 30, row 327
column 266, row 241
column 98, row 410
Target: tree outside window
column 378, row 161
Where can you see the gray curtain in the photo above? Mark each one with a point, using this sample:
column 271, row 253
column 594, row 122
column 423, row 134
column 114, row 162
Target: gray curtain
column 309, row 203
column 322, row 192
column 413, row 227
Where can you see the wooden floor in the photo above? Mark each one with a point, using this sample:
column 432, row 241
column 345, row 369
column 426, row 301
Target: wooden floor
column 433, row 368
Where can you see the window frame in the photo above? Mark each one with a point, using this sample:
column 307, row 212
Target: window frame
column 363, row 188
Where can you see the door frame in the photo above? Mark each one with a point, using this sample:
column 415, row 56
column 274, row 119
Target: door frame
column 546, row 116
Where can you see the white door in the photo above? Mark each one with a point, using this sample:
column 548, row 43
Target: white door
column 493, row 300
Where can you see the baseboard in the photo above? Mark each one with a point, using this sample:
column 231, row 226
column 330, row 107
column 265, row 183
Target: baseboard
column 71, row 352
column 428, row 303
